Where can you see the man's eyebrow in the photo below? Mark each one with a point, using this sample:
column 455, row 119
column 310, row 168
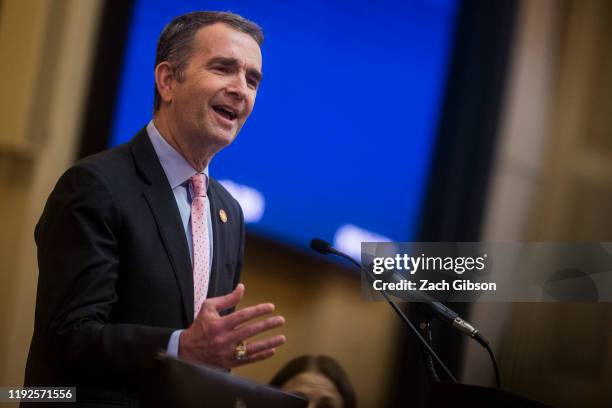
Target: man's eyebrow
column 226, row 61
column 229, row 62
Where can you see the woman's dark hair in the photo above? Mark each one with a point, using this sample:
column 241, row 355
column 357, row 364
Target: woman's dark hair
column 319, row 364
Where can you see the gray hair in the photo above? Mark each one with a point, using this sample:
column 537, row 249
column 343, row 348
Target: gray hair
column 176, row 39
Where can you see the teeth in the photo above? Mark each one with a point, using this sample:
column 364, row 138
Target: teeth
column 231, row 114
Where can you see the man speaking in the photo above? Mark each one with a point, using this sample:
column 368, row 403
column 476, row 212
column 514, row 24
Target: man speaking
column 139, row 250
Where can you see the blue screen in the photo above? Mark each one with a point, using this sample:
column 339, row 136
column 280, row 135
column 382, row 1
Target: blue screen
column 340, row 142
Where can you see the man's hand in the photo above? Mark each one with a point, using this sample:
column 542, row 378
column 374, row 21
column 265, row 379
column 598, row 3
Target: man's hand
column 212, row 338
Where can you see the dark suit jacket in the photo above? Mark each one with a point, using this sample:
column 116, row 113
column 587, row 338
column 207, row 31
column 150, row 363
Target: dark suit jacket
column 115, row 276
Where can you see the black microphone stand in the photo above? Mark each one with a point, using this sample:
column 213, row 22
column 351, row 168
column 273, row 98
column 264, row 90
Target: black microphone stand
column 438, row 309
column 427, row 347
column 430, row 367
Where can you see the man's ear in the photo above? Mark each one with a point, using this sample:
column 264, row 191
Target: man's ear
column 164, row 81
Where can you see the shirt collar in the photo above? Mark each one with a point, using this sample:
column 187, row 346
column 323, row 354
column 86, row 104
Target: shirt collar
column 177, row 170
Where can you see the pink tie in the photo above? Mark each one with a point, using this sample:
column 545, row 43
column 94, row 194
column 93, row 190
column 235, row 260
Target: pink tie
column 201, row 245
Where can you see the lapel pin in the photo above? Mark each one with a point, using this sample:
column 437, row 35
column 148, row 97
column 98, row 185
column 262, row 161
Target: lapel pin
column 223, row 216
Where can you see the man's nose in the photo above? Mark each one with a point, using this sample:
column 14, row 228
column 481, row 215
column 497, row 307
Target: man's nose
column 238, row 86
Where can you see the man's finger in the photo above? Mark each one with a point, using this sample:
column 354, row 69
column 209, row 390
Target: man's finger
column 244, row 315
column 250, row 330
column 228, row 301
column 257, row 347
column 257, row 357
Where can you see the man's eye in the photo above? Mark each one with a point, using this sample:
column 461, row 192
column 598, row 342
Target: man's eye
column 252, row 83
column 225, row 70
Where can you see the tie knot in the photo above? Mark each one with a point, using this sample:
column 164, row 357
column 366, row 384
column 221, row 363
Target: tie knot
column 198, row 183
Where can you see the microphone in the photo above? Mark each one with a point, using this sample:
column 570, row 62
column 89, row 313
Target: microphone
column 426, row 304
column 321, row 246
column 325, row 248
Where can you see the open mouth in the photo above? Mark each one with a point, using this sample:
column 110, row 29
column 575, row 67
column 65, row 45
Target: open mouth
column 226, row 112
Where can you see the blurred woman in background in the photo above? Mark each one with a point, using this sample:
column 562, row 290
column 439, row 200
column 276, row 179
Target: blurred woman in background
column 320, row 379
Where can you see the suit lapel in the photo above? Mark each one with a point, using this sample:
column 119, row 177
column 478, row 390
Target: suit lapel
column 162, row 203
column 215, row 275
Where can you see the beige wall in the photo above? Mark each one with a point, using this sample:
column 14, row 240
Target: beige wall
column 563, row 352
column 46, row 49
column 518, row 168
column 553, row 182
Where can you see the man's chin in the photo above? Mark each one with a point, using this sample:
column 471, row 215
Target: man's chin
column 223, row 138
column 215, row 136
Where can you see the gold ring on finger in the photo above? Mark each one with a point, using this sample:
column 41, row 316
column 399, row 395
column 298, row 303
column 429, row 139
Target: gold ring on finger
column 240, row 351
